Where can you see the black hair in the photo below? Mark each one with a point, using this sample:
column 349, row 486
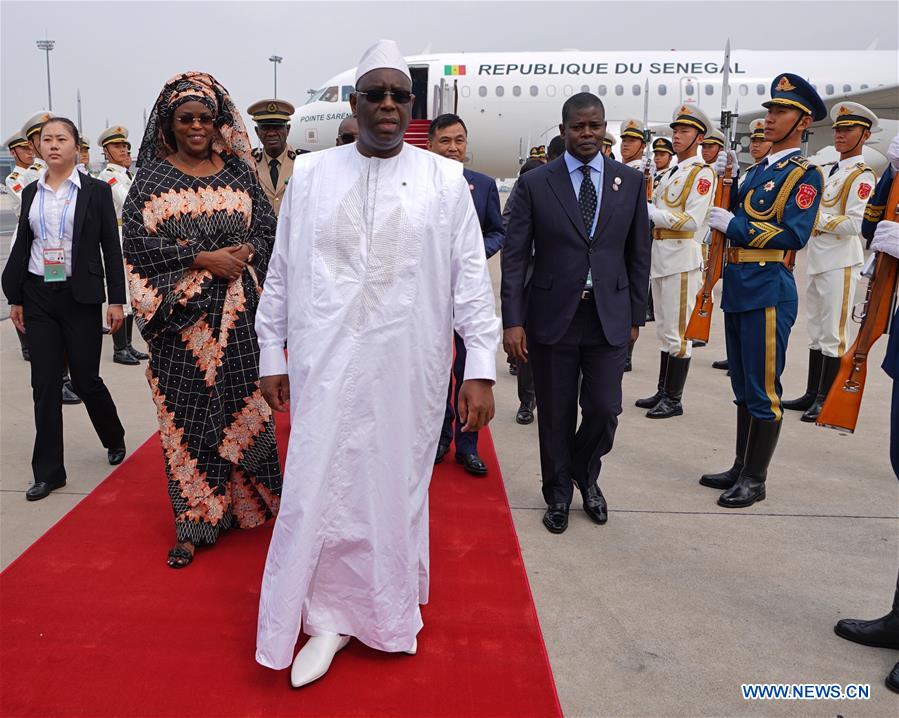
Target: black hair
column 531, row 164
column 555, row 148
column 70, row 126
column 446, row 120
column 580, row 101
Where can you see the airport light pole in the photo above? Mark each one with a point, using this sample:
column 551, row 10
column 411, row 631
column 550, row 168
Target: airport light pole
column 46, row 46
column 276, row 60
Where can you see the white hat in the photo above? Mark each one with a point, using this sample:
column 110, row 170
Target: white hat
column 714, row 137
column 35, row 122
column 691, row 115
column 849, row 114
column 383, row 54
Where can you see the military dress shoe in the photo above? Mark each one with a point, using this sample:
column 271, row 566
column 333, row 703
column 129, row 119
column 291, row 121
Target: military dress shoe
column 721, row 364
column 123, row 356
column 892, row 679
column 525, row 414
column 472, row 463
column 441, row 452
column 140, row 356
column 880, row 632
column 595, row 504
column 116, row 456
column 698, row 343
column 556, row 518
column 68, row 394
column 26, row 355
column 41, row 490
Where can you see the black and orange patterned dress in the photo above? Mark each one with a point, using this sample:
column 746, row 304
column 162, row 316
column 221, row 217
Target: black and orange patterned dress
column 217, row 432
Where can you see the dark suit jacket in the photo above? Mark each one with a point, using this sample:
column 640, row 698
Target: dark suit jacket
column 486, row 204
column 95, row 230
column 547, row 218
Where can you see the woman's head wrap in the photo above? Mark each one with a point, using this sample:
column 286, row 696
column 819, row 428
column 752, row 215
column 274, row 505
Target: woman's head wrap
column 231, row 134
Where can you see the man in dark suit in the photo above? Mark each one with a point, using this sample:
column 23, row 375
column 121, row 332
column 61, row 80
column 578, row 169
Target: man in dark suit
column 584, row 218
column 448, row 137
column 60, row 307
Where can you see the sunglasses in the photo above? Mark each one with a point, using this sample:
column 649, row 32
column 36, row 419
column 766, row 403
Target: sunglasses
column 401, row 97
column 189, row 118
column 347, row 137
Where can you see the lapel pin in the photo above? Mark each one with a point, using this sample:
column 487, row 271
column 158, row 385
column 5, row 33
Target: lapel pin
column 617, row 180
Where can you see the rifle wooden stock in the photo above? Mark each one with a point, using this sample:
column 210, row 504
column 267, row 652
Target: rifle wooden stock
column 844, row 400
column 700, row 325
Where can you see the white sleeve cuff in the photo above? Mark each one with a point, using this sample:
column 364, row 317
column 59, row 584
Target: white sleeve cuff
column 480, row 364
column 272, row 361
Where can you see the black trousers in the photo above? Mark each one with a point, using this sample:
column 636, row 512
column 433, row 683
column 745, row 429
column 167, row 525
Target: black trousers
column 60, row 328
column 572, row 454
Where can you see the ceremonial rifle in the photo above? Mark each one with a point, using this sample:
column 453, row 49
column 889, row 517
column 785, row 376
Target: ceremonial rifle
column 647, row 140
column 700, row 324
column 841, row 408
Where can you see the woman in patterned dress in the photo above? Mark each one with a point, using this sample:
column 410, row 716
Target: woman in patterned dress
column 197, row 235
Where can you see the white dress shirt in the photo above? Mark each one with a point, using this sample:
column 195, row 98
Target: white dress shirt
column 58, row 208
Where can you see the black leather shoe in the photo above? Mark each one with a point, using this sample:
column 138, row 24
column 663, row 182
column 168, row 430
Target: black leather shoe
column 698, row 343
column 670, row 403
column 41, row 490
column 116, row 456
column 666, row 408
column 441, row 452
column 813, row 379
column 595, row 504
column 760, row 446
column 721, row 364
column 525, row 414
column 123, row 356
column 651, row 401
column 26, row 355
column 68, row 394
column 892, row 679
column 726, row 479
column 629, row 364
column 140, row 356
column 556, row 518
column 830, row 366
column 472, row 463
column 880, row 632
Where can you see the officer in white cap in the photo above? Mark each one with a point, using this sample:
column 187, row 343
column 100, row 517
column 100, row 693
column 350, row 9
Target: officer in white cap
column 23, row 155
column 834, row 253
column 712, row 145
column 274, row 160
column 759, row 147
column 608, row 142
column 633, row 143
column 679, row 213
column 32, row 131
column 84, row 150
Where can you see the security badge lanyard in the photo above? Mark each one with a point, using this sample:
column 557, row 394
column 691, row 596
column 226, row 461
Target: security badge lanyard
column 55, row 257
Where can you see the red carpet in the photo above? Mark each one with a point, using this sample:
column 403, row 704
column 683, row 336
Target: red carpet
column 93, row 623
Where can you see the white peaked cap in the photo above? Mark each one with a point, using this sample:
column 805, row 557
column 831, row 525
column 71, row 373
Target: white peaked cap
column 383, row 54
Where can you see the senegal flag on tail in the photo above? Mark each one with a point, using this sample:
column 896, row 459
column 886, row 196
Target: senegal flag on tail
column 454, row 69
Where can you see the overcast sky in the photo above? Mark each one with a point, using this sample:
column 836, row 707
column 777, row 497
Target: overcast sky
column 120, row 53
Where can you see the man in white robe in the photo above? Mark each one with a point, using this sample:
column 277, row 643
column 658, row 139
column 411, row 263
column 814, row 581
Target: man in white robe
column 378, row 257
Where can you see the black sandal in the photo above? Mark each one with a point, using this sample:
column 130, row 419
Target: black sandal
column 179, row 557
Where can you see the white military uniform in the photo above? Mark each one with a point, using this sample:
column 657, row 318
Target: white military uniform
column 835, row 254
column 119, row 180
column 682, row 200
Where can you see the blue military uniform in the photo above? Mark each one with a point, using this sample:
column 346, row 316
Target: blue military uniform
column 774, row 212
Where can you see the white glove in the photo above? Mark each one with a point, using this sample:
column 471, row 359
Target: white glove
column 893, row 153
column 886, row 238
column 721, row 163
column 719, row 218
column 650, row 210
column 650, row 163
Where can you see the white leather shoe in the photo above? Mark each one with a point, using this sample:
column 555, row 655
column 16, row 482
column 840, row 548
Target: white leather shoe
column 412, row 651
column 314, row 658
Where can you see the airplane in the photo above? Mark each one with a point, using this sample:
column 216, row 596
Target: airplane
column 511, row 101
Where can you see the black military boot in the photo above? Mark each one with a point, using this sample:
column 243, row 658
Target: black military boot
column 120, row 353
column 760, row 446
column 651, row 401
column 129, row 332
column 728, row 478
column 669, row 405
column 828, row 373
column 628, row 365
column 721, row 364
column 815, row 361
column 68, row 390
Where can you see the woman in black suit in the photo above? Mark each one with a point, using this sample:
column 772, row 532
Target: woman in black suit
column 53, row 281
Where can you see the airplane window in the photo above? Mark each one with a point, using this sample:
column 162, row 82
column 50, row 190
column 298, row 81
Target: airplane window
column 551, row 90
column 568, row 90
column 345, row 93
column 619, row 90
column 847, row 88
column 466, row 91
column 602, row 90
column 500, row 90
column 482, row 91
column 585, row 88
column 744, row 90
column 330, row 94
column 760, row 89
column 709, row 89
column 516, row 90
column 688, row 90
column 534, row 90
column 663, row 89
column 863, row 86
column 829, row 89
column 635, row 90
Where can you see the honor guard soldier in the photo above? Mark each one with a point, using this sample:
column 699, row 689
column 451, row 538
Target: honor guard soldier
column 20, row 149
column 712, row 145
column 679, row 214
column 835, row 253
column 274, row 160
column 662, row 154
column 84, row 150
column 632, row 143
column 774, row 212
column 608, row 142
column 759, row 147
column 32, row 131
column 117, row 174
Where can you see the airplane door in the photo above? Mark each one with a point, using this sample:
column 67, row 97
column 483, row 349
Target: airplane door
column 420, row 90
column 689, row 89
